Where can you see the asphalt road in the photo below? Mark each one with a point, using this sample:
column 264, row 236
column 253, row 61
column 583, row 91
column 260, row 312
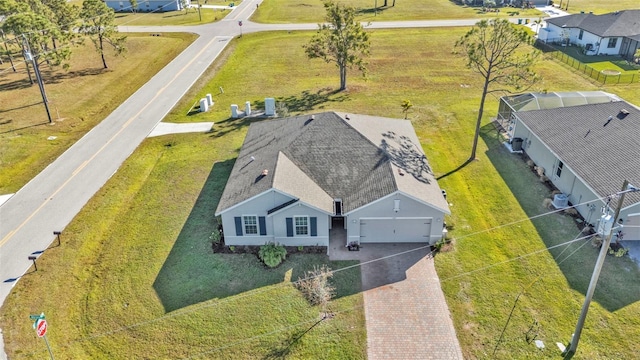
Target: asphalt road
column 53, row 198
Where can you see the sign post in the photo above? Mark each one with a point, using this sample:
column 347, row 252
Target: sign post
column 40, row 325
column 240, row 24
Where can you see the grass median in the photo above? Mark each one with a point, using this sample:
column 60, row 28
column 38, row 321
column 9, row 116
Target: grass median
column 135, row 274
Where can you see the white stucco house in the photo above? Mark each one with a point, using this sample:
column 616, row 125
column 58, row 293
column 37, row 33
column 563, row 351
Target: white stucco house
column 616, row 33
column 296, row 178
column 587, row 142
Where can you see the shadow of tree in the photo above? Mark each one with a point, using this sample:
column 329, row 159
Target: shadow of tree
column 373, row 10
column 285, row 347
column 619, row 283
column 308, row 101
column 405, row 155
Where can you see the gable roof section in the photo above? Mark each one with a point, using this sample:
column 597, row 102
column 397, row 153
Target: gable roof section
column 323, row 159
column 291, row 180
column 620, row 23
column 411, row 171
column 602, row 153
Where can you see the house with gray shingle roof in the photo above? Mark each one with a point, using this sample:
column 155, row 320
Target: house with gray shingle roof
column 587, row 151
column 616, row 33
column 295, row 178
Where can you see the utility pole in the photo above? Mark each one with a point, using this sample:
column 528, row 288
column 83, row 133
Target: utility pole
column 30, row 57
column 596, row 271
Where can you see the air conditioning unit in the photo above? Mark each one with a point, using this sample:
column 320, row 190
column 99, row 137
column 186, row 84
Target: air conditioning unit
column 560, row 201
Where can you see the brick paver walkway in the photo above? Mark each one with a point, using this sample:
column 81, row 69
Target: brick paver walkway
column 406, row 313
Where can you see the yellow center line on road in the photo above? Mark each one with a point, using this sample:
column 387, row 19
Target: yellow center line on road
column 84, row 164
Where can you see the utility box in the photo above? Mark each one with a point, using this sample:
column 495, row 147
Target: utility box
column 234, row 111
column 605, row 225
column 247, row 108
column 209, row 99
column 204, row 105
column 270, row 106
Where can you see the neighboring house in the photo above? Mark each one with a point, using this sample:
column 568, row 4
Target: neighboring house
column 146, row 5
column 296, row 178
column 616, row 33
column 588, row 147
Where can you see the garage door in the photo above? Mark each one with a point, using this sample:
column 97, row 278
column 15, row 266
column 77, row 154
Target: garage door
column 395, row 230
column 631, row 228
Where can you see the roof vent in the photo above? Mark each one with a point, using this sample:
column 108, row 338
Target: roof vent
column 264, row 172
column 310, row 119
column 624, row 111
column 608, row 121
column 347, row 117
column 400, row 172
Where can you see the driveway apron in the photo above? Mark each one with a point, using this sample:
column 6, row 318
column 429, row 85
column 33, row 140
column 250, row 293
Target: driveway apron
column 405, row 310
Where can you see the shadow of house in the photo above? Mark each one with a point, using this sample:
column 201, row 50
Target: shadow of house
column 183, row 267
column 619, row 283
column 192, row 273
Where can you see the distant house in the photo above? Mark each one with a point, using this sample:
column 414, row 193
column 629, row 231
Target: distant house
column 616, row 33
column 146, row 5
column 588, row 143
column 298, row 177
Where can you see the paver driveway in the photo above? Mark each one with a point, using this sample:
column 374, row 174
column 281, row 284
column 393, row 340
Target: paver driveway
column 405, row 310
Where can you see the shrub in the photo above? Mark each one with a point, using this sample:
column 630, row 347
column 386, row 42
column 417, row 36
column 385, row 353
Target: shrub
column 539, row 170
column 216, row 236
column 547, row 203
column 531, row 164
column 596, row 241
column 544, row 179
column 315, row 286
column 272, row 254
column 571, row 211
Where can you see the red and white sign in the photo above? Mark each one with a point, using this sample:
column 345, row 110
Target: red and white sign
column 41, row 328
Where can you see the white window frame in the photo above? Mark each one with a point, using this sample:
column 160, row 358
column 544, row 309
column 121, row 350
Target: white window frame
column 245, row 224
column 612, row 43
column 306, row 226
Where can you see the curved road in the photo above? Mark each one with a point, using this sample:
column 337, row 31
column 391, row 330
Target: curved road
column 53, row 198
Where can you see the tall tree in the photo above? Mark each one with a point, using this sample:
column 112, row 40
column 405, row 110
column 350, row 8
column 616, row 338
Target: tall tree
column 341, row 40
column 99, row 25
column 494, row 49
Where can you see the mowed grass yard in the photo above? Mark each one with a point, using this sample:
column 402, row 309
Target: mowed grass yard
column 79, row 99
column 190, row 17
column 303, row 11
column 599, row 6
column 135, row 276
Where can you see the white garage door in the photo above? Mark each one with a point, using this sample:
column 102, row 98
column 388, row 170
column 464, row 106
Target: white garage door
column 395, row 230
column 631, row 228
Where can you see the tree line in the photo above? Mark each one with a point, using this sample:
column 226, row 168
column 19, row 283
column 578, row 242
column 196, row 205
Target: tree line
column 46, row 31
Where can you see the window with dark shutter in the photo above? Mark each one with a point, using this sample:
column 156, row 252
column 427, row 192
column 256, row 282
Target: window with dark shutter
column 263, row 226
column 238, row 221
column 289, row 227
column 314, row 226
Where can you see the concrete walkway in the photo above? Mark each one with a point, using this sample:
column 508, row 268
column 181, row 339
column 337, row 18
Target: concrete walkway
column 405, row 310
column 164, row 128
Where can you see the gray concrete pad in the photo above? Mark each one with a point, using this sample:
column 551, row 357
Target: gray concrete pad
column 164, row 128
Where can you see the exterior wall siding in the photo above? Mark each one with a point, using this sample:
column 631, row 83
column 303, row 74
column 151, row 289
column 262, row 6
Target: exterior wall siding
column 385, row 209
column 257, row 206
column 276, row 230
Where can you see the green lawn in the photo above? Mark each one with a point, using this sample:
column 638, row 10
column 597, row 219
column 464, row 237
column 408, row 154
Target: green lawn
column 140, row 248
column 79, row 99
column 174, row 17
column 598, row 6
column 302, row 11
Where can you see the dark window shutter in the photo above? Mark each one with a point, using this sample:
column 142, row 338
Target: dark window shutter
column 314, row 226
column 289, row 227
column 263, row 225
column 238, row 220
